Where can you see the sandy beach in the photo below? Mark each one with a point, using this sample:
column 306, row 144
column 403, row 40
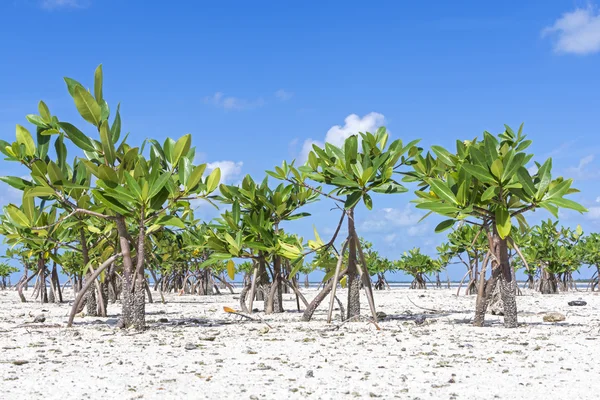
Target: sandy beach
column 192, row 349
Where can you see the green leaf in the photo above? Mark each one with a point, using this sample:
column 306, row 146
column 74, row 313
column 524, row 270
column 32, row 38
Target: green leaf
column 351, row 149
column 111, row 203
column 526, row 181
column 115, row 129
column 184, row 170
column 297, row 216
column 108, row 175
column 444, row 225
column 489, row 193
column 16, row 182
column 231, row 269
column 560, row 189
column 108, row 147
column 438, row 207
column 98, row 84
column 368, row 201
column 55, row 174
column 182, row 146
column 158, row 184
column 77, row 137
column 36, row 120
column 479, row 173
column 390, row 187
column 213, row 180
column 544, row 173
column 442, row 190
column 195, row 176
column 170, row 220
column 503, row 224
column 133, row 185
column 444, row 155
column 72, row 84
column 566, row 203
column 497, row 168
column 17, row 216
column 44, row 112
column 352, row 199
column 40, row 191
column 25, row 138
column 88, row 108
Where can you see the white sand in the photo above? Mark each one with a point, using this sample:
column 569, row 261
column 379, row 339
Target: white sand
column 444, row 358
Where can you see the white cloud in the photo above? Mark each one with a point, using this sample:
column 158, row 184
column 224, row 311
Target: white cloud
column 230, row 170
column 283, row 95
column 306, row 148
column 353, row 124
column 390, row 219
column 597, row 199
column 233, row 103
column 593, row 213
column 54, row 4
column 576, row 32
column 337, row 134
column 581, row 171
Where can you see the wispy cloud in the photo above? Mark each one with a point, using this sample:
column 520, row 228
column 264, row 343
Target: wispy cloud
column 233, row 103
column 388, row 220
column 230, row 170
column 576, row 32
column 337, row 134
column 582, row 172
column 593, row 213
column 56, row 4
column 283, row 95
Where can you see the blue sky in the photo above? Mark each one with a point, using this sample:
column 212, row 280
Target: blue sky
column 254, row 81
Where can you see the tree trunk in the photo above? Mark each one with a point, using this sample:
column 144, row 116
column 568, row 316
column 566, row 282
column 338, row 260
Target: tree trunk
column 90, row 296
column 548, row 284
column 353, row 276
column 508, row 289
column 42, row 280
column 485, row 290
column 133, row 296
column 308, row 313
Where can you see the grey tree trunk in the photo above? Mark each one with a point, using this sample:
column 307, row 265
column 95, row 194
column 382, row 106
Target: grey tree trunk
column 353, row 275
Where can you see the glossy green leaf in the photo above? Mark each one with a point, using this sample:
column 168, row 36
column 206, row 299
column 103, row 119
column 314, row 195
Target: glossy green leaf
column 444, row 225
column 87, row 106
column 158, row 184
column 213, row 180
column 195, row 176
column 98, row 84
column 25, row 138
column 368, row 201
column 444, row 155
column 442, row 190
column 181, row 147
column 353, row 199
column 503, row 224
column 16, row 182
column 479, row 173
column 77, row 137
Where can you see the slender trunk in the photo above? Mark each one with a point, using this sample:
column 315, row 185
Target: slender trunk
column 486, row 287
column 508, row 289
column 127, row 298
column 42, row 280
column 353, row 276
column 308, row 313
column 20, row 287
column 90, row 296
